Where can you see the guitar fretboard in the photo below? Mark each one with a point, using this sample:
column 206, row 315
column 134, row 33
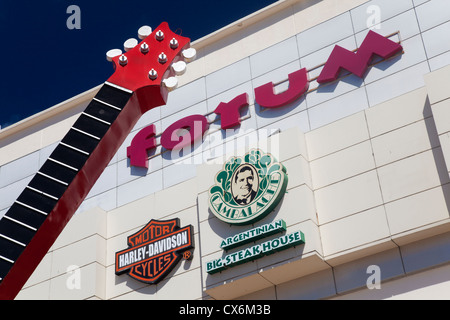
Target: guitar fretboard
column 40, row 198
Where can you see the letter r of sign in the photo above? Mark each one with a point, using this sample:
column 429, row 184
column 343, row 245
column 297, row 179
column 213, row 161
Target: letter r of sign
column 229, row 112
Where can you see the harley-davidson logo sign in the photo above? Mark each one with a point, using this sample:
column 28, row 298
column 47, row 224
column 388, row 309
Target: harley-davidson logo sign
column 155, row 250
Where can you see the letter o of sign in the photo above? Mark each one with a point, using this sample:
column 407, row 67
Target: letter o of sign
column 196, row 125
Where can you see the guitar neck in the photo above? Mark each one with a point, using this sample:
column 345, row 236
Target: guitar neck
column 40, row 213
column 32, row 224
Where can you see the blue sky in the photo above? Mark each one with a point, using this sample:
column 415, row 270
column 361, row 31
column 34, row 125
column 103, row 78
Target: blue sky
column 44, row 63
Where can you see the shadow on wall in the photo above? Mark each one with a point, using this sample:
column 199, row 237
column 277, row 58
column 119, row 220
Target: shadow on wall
column 438, row 155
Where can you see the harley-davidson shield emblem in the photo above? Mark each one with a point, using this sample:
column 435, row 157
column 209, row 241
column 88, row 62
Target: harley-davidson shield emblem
column 154, row 250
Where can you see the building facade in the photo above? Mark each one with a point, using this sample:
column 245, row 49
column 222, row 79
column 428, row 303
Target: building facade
column 364, row 207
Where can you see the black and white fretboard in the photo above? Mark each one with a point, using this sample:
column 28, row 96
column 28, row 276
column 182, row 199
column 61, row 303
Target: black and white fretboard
column 60, row 185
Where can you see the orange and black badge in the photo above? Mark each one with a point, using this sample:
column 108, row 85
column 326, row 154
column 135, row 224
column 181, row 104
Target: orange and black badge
column 155, row 250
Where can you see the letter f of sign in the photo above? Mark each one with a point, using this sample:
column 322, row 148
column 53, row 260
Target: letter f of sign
column 141, row 143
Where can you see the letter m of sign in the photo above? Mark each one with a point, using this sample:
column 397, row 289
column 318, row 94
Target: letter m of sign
column 357, row 63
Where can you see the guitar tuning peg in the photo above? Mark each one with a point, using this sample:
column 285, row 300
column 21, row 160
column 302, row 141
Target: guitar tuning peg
column 159, row 35
column 112, row 54
column 189, row 54
column 162, row 58
column 144, row 32
column 171, row 83
column 179, row 67
column 144, row 47
column 152, row 74
column 123, row 60
column 174, row 43
column 130, row 44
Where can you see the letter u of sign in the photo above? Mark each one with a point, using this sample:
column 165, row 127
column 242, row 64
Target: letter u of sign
column 266, row 97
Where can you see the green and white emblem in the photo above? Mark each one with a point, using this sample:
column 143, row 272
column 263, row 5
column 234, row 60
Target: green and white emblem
column 248, row 188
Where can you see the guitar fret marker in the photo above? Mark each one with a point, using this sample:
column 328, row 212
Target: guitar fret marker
column 54, row 179
column 87, row 134
column 12, row 240
column 107, row 104
column 63, row 164
column 30, row 207
column 20, row 223
column 43, row 193
column 118, row 87
column 6, row 259
column 73, row 148
column 95, row 118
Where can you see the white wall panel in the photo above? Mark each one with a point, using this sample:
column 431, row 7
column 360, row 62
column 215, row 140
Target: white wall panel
column 19, row 169
column 10, row 192
column 228, row 77
column 338, row 108
column 393, row 86
column 355, row 231
column 139, row 188
column 348, row 197
column 387, row 10
column 436, row 40
column 184, row 97
column 274, row 57
column 355, row 274
column 325, row 34
column 406, row 23
column 432, row 14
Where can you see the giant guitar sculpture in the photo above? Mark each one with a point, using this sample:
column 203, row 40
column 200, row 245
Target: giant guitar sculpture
column 141, row 81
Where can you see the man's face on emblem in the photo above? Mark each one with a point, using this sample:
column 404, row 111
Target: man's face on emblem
column 245, row 184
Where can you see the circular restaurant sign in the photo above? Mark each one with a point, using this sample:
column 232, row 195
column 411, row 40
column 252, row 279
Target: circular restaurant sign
column 248, row 188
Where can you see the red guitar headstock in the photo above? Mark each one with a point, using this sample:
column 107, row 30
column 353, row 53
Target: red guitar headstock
column 148, row 68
